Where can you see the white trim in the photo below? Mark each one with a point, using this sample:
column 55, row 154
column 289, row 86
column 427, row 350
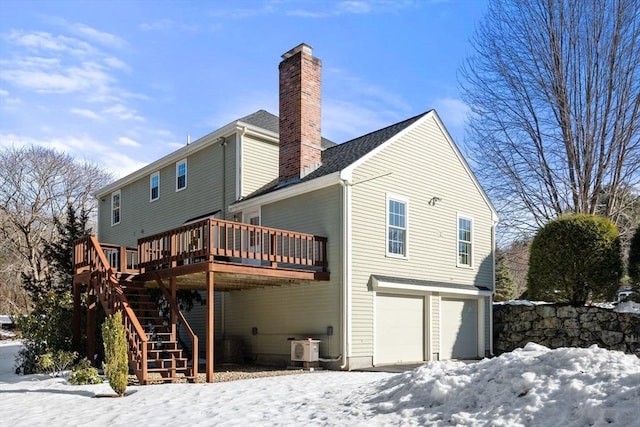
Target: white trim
column 481, row 327
column 408, row 288
column 287, row 192
column 239, row 140
column 374, row 341
column 119, row 194
column 346, row 273
column 402, row 199
column 186, row 173
column 428, row 322
column 439, row 327
column 469, row 218
column 246, row 215
column 157, row 173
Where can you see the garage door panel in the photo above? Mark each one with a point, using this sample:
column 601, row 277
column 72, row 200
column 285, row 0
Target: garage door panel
column 399, row 329
column 459, row 329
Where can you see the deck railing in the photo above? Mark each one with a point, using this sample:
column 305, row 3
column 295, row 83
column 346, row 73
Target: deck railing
column 213, row 239
column 120, row 258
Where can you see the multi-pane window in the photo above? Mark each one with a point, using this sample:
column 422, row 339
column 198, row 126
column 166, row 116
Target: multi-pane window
column 181, row 175
column 115, row 208
column 396, row 227
column 465, row 230
column 154, row 185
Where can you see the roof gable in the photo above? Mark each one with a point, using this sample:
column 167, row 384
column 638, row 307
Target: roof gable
column 340, row 156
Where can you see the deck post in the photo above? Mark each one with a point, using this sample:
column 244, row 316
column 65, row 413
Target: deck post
column 91, row 324
column 174, row 315
column 209, row 326
column 76, row 317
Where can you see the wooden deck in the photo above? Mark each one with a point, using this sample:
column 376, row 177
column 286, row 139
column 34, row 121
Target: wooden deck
column 206, row 255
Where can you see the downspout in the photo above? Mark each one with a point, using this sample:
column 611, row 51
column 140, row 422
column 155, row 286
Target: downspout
column 346, row 269
column 493, row 251
column 224, row 215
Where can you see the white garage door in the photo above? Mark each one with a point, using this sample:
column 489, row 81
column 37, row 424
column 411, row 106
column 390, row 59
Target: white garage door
column 399, row 329
column 459, row 329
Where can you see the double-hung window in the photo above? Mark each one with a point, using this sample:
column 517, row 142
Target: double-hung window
column 154, row 186
column 465, row 241
column 397, row 215
column 115, row 207
column 181, row 175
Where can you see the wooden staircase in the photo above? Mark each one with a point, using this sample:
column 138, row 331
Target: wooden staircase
column 166, row 359
column 155, row 354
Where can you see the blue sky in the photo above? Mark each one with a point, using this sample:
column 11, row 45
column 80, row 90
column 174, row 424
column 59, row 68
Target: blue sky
column 122, row 83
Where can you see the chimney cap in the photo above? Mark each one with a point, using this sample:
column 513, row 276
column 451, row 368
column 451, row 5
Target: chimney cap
column 302, row 47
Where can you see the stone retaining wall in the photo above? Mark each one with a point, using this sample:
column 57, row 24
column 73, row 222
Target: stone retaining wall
column 557, row 326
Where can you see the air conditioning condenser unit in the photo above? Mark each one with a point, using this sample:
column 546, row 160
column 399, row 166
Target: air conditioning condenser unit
column 305, row 350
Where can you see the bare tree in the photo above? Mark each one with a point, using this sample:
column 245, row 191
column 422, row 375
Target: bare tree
column 36, row 185
column 554, row 92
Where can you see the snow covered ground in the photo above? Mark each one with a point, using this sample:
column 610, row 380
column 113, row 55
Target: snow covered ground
column 533, row 386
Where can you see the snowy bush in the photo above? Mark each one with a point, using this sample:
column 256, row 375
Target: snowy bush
column 84, row 373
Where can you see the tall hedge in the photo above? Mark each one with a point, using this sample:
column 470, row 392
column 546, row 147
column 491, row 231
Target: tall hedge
column 575, row 259
column 634, row 258
column 116, row 366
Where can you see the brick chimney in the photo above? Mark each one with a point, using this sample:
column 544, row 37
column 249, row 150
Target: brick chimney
column 300, row 140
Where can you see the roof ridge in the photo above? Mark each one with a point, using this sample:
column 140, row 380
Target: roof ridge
column 417, row 116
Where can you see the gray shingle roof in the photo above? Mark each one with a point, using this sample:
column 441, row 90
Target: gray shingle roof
column 271, row 122
column 339, row 156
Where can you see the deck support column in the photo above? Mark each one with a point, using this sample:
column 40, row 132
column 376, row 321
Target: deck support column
column 174, row 315
column 91, row 324
column 76, row 317
column 210, row 326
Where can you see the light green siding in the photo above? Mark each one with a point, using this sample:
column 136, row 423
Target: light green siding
column 259, row 163
column 302, row 310
column 418, row 166
column 141, row 217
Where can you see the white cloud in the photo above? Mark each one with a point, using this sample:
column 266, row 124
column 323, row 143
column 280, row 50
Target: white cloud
column 452, row 111
column 81, row 148
column 123, row 140
column 83, row 112
column 123, row 113
column 343, row 120
column 4, row 92
column 46, row 42
column 48, row 75
column 171, row 25
column 356, row 7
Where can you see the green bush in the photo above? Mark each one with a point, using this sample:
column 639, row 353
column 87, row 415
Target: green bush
column 116, row 366
column 505, row 287
column 575, row 259
column 47, row 329
column 634, row 258
column 84, row 373
column 55, row 362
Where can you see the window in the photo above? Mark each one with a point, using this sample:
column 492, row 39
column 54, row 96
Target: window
column 396, row 227
column 181, row 175
column 115, row 208
column 465, row 241
column 154, row 185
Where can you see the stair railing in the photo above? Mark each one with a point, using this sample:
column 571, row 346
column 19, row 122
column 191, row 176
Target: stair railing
column 112, row 298
column 175, row 310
